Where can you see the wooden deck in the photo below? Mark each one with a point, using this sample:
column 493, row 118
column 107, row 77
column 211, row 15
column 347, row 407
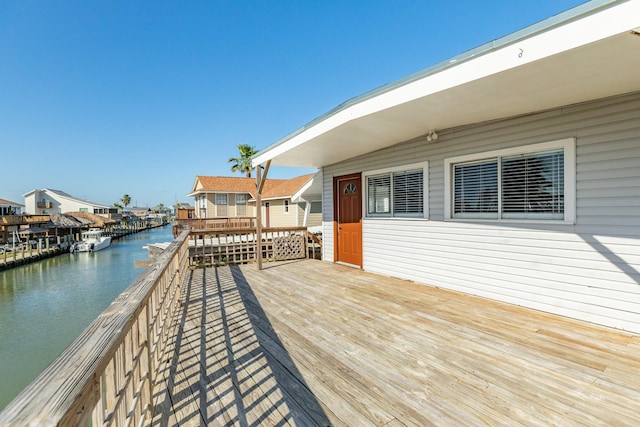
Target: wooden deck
column 312, row 343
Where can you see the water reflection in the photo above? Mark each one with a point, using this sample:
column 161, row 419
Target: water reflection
column 45, row 305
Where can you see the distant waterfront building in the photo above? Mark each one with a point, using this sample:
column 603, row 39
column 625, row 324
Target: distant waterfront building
column 10, row 219
column 184, row 211
column 48, row 201
column 8, row 207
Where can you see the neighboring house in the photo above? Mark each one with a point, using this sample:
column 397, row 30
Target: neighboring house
column 10, row 208
column 48, row 201
column 283, row 202
column 138, row 211
column 184, row 211
column 511, row 171
column 11, row 224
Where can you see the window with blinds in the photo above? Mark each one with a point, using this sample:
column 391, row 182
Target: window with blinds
column 408, row 193
column 379, row 195
column 221, row 204
column 241, row 204
column 533, row 186
column 523, row 186
column 398, row 194
column 476, row 190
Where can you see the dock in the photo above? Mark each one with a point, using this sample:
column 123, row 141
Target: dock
column 27, row 255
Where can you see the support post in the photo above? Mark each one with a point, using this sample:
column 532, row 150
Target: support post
column 260, row 179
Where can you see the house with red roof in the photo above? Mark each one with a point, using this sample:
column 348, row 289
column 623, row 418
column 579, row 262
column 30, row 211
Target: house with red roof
column 285, row 202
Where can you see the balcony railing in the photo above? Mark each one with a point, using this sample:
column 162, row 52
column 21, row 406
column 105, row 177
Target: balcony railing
column 221, row 223
column 240, row 245
column 44, row 205
column 23, row 219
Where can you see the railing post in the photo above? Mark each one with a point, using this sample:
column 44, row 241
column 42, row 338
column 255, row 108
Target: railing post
column 260, row 180
column 151, row 369
column 259, row 216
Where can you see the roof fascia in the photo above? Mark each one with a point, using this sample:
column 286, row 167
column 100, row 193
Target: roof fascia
column 10, row 203
column 195, row 184
column 548, row 37
column 217, row 192
column 298, row 195
column 76, row 200
column 276, row 198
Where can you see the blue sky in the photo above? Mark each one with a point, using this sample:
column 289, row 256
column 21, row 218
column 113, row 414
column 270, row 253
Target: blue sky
column 103, row 98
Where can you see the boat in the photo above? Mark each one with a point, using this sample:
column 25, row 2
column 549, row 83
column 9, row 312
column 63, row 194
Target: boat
column 90, row 241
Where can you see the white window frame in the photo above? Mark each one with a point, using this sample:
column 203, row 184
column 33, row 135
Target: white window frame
column 404, row 168
column 569, row 147
column 201, row 206
column 286, row 205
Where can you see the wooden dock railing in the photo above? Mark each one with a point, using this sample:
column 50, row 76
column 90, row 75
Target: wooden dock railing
column 106, row 376
column 214, row 223
column 209, row 247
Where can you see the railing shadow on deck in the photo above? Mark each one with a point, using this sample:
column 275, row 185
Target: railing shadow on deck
column 228, row 366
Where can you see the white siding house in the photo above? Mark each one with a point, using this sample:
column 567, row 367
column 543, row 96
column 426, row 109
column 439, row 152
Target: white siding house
column 48, row 201
column 7, row 207
column 511, row 172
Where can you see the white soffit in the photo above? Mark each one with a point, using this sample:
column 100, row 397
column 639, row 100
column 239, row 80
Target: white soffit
column 588, row 58
column 310, row 191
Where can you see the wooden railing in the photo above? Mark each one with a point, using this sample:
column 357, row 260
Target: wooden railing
column 214, row 223
column 23, row 219
column 314, row 243
column 106, row 376
column 240, row 245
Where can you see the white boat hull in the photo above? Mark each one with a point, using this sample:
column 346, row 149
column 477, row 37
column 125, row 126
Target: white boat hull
column 92, row 241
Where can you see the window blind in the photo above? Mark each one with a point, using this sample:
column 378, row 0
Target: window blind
column 476, row 189
column 408, row 191
column 221, row 204
column 533, row 186
column 241, row 204
column 379, row 194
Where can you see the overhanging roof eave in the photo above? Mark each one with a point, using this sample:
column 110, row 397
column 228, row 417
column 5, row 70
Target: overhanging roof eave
column 321, row 125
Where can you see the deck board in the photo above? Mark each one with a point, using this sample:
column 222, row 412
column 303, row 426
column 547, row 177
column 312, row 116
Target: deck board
column 313, row 343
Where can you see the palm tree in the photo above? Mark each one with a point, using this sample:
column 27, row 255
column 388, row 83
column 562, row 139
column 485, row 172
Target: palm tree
column 126, row 199
column 243, row 163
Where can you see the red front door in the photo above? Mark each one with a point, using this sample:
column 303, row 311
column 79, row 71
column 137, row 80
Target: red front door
column 348, row 215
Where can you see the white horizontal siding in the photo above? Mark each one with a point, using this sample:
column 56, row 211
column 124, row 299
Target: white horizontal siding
column 589, row 271
column 327, row 217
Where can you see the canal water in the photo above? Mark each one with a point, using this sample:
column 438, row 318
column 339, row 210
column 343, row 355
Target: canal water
column 45, row 305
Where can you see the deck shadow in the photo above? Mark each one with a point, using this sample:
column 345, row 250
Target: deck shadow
column 227, row 365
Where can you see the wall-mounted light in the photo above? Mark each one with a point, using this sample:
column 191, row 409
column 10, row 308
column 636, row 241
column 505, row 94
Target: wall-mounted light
column 432, row 136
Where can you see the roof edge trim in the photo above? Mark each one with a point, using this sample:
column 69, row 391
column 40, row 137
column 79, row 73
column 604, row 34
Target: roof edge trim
column 561, row 19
